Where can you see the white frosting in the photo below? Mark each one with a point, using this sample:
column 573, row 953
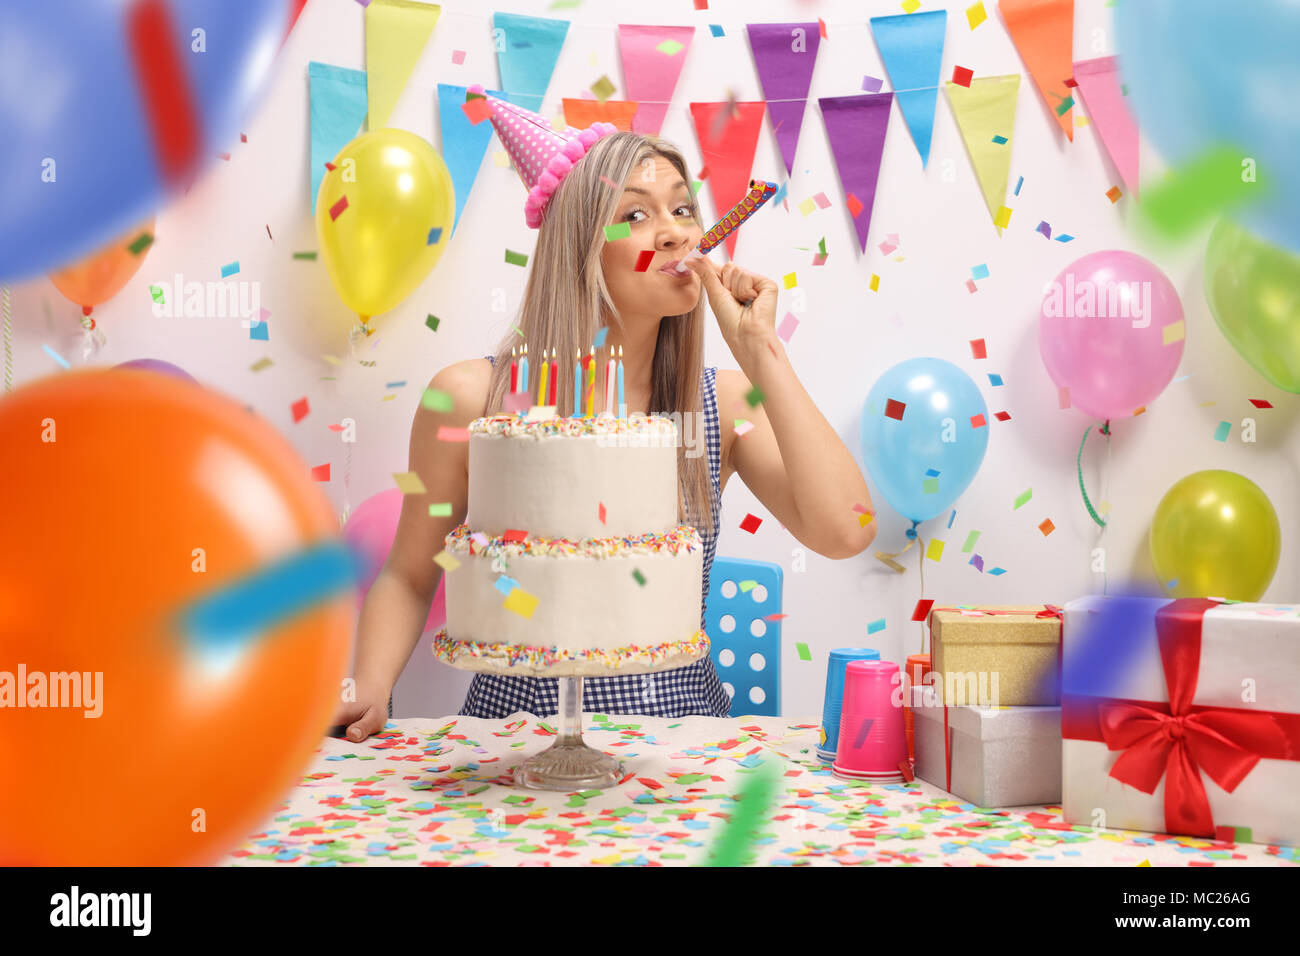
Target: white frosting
column 552, row 486
column 582, row 602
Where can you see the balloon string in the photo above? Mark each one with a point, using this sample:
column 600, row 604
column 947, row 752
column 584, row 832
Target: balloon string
column 347, row 484
column 889, row 558
column 1106, row 492
column 920, row 566
column 1078, row 464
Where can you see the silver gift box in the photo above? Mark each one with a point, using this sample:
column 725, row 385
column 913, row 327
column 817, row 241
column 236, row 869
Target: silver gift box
column 1001, row 756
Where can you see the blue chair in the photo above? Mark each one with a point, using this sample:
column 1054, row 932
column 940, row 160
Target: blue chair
column 746, row 649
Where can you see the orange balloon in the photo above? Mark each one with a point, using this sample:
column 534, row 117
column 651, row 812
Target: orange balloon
column 114, row 482
column 100, row 276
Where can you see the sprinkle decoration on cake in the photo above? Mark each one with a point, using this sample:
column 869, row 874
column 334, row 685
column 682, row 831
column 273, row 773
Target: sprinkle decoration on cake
column 517, row 427
column 615, row 658
column 683, row 538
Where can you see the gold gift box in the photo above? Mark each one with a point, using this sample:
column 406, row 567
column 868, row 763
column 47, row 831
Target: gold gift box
column 1010, row 658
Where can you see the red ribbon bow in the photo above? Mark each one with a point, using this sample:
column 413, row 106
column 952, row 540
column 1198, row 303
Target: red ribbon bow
column 1224, row 742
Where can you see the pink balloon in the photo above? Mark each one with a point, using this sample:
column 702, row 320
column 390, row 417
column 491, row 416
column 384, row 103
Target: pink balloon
column 1101, row 333
column 370, row 531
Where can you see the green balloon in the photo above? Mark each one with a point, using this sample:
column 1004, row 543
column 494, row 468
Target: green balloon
column 1253, row 289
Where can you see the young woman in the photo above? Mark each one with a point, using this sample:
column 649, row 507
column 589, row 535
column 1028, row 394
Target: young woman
column 791, row 459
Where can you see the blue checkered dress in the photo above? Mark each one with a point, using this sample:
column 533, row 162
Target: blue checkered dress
column 694, row 689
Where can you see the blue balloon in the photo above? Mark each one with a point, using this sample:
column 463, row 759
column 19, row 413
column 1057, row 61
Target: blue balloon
column 1204, row 73
column 934, row 438
column 84, row 154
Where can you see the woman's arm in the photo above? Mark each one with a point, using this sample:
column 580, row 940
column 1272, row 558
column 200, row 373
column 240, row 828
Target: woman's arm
column 792, row 459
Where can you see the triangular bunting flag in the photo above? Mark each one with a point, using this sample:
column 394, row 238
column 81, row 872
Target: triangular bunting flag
column 985, row 110
column 653, row 57
column 396, row 32
column 727, row 144
column 911, row 46
column 580, row 113
column 527, row 50
column 1099, row 88
column 855, row 127
column 338, row 108
column 1043, row 32
column 785, row 54
column 463, row 142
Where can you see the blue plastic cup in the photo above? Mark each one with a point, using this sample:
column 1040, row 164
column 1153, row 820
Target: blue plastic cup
column 834, row 699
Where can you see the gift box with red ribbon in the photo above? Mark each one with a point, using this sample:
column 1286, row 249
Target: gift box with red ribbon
column 1182, row 716
column 991, row 756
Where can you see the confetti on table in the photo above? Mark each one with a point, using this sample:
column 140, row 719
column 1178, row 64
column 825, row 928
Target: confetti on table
column 894, row 409
column 643, row 259
column 440, row 509
column 787, row 327
column 1221, row 433
column 1173, row 332
column 447, row 433
column 1003, row 218
column 1261, row 403
column 640, row 578
column 1046, row 527
column 446, row 560
column 337, row 209
column 619, row 230
column 409, row 483
column 802, row 649
column 299, row 409
column 872, row 84
column 1113, row 194
column 975, row 14
column 750, row 523
column 934, row 550
column 516, row 258
column 962, row 76
column 922, row 609
column 230, row 269
column 754, row 396
column 877, row 625
column 970, row 542
column 977, row 421
column 977, row 349
column 1023, row 498
column 520, row 602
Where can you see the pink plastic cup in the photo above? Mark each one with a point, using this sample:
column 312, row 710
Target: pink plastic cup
column 872, row 743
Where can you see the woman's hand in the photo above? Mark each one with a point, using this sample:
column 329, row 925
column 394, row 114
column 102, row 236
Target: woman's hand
column 744, row 302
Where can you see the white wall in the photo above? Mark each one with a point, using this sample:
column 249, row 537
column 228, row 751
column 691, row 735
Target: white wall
column 846, row 338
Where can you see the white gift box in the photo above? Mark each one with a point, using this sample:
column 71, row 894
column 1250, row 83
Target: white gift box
column 1001, row 756
column 1249, row 664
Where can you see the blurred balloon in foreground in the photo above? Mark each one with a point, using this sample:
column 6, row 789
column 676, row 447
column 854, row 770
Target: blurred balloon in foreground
column 1253, row 289
column 1203, row 75
column 370, row 531
column 176, row 613
column 1215, row 534
column 111, row 106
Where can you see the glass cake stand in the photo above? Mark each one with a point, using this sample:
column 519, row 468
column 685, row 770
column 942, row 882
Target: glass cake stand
column 569, row 764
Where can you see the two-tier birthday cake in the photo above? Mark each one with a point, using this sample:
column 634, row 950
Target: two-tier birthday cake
column 572, row 561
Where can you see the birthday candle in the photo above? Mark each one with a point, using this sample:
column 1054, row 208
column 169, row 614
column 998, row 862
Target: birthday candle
column 555, row 377
column 541, row 380
column 514, row 371
column 523, row 370
column 591, row 382
column 609, row 383
column 577, row 385
column 622, row 407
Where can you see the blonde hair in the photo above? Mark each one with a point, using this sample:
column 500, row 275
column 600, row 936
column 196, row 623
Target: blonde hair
column 566, row 301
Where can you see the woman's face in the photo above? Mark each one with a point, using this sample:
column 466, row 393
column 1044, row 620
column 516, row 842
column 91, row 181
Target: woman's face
column 656, row 204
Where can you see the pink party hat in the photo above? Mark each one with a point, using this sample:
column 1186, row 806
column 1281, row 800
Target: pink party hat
column 542, row 155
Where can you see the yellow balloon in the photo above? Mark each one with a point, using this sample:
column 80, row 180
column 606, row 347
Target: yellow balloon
column 1215, row 534
column 376, row 212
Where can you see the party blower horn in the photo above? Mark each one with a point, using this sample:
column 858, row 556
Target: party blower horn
column 760, row 191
